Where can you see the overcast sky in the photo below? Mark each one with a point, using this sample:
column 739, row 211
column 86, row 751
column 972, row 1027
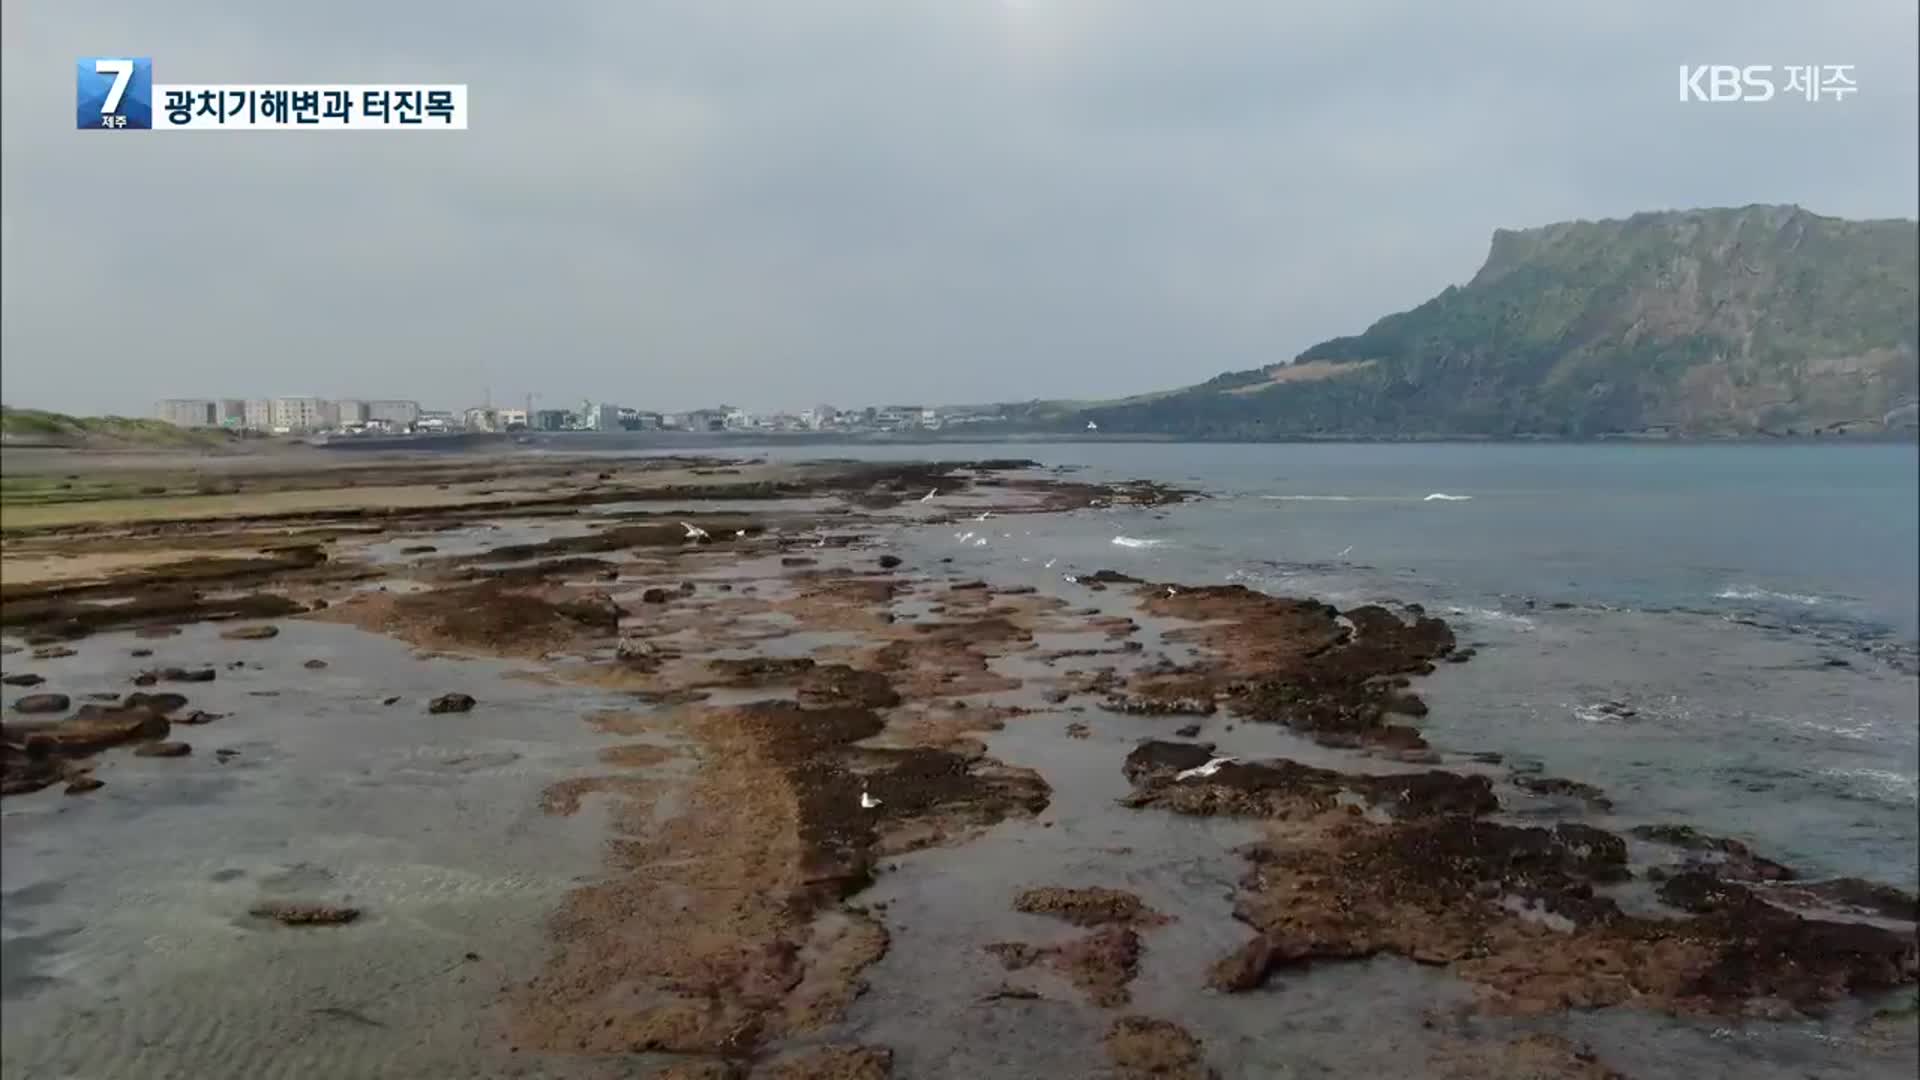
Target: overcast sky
column 865, row 201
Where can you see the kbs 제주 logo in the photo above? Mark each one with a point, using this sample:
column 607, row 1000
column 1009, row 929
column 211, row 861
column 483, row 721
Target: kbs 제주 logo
column 114, row 92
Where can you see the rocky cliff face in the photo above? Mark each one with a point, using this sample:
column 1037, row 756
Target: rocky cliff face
column 1761, row 319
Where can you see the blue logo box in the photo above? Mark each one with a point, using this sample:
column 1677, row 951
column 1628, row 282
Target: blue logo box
column 115, row 93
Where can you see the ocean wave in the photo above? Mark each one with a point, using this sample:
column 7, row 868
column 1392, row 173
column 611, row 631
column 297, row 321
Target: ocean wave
column 1856, row 731
column 1879, row 784
column 1441, row 496
column 1491, row 615
column 1755, row 592
column 1136, row 542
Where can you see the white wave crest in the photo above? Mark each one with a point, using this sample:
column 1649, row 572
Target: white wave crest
column 1441, row 496
column 1879, row 783
column 1491, row 615
column 1754, row 592
column 1136, row 542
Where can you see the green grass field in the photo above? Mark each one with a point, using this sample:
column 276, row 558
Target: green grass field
column 104, row 431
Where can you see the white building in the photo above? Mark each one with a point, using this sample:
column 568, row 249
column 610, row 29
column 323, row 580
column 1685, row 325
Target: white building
column 601, row 417
column 257, row 414
column 352, row 413
column 288, row 414
column 507, row 418
column 189, row 412
column 394, row 414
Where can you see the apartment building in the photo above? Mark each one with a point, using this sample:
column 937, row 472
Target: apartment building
column 395, row 414
column 190, row 412
column 287, row 414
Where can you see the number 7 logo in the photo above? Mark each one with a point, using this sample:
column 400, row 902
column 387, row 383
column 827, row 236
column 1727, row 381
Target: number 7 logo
column 122, row 72
column 114, row 92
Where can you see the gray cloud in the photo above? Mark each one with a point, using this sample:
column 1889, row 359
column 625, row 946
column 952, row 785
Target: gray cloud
column 774, row 204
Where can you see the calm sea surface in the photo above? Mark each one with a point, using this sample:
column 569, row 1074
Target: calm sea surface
column 1754, row 607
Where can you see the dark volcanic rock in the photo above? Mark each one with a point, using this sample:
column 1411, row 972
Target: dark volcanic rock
column 296, row 913
column 888, row 562
column 1144, row 1047
column 174, row 674
column 1091, row 906
column 250, row 633
column 655, row 596
column 754, row 671
column 163, row 749
column 26, row 678
column 1283, row 788
column 1150, row 706
column 52, row 652
column 837, row 684
column 162, row 703
column 314, row 665
column 83, row 783
column 1735, row 862
column 451, row 703
column 41, row 703
column 1555, row 786
column 1188, row 731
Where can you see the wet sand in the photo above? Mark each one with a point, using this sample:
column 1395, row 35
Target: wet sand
column 791, row 797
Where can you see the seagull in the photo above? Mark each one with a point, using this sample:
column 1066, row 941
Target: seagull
column 982, row 542
column 1171, row 591
column 867, row 802
column 1212, row 766
column 694, row 532
column 1343, row 552
column 928, row 497
column 1070, row 579
column 1050, row 563
column 984, row 515
column 739, row 532
column 964, row 537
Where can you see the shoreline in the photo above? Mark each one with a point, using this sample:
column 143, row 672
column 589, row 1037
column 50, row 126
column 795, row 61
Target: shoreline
column 805, row 659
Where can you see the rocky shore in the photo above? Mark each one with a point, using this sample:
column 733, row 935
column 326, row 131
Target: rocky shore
column 805, row 700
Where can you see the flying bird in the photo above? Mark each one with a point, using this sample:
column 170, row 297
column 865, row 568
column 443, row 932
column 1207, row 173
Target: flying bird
column 1212, row 766
column 1343, row 552
column 694, row 532
column 867, row 802
column 928, row 497
column 984, row 515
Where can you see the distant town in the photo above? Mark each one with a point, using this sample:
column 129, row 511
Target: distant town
column 357, row 416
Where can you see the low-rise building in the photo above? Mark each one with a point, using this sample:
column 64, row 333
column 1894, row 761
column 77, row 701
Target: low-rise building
column 550, row 419
column 511, row 419
column 258, row 415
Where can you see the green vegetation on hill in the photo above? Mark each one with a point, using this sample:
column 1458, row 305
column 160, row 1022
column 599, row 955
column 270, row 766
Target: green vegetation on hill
column 39, row 426
column 1762, row 319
